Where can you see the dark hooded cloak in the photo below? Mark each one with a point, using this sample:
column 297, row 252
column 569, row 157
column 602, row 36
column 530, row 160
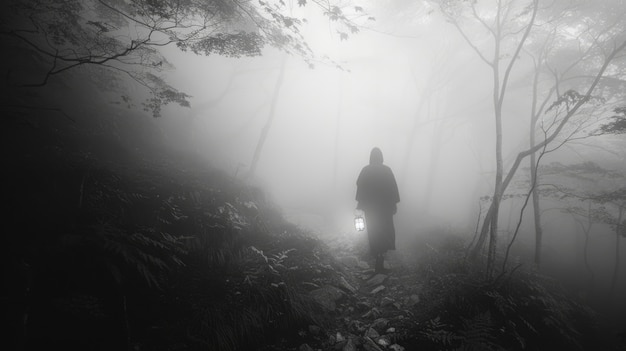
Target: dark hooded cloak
column 377, row 195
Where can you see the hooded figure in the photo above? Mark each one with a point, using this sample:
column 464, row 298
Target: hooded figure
column 377, row 196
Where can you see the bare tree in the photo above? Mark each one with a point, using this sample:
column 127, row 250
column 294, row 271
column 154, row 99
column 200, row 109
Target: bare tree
column 509, row 25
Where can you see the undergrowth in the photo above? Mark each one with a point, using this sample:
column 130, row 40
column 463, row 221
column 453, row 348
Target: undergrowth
column 522, row 310
column 156, row 254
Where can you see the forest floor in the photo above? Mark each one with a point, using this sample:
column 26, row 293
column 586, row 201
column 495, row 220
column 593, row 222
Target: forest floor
column 427, row 299
column 367, row 310
column 165, row 254
column 370, row 311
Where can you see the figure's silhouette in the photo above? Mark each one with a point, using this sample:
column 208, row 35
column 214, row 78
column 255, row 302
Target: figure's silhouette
column 377, row 196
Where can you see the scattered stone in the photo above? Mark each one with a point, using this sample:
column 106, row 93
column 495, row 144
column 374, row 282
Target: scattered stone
column 305, row 347
column 314, row 329
column 363, row 306
column 414, row 299
column 377, row 290
column 390, row 330
column 327, row 296
column 356, row 326
column 363, row 265
column 380, row 324
column 384, row 341
column 396, row 347
column 332, row 340
column 339, row 337
column 310, row 285
column 373, row 313
column 397, row 305
column 343, row 283
column 350, row 261
column 386, row 301
column 339, row 346
column 376, row 280
column 349, row 346
column 370, row 345
column 372, row 333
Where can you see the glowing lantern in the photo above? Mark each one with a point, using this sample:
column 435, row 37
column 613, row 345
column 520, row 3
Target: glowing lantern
column 359, row 223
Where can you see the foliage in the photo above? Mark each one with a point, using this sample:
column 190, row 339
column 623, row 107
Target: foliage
column 180, row 253
column 51, row 37
column 521, row 311
column 618, row 123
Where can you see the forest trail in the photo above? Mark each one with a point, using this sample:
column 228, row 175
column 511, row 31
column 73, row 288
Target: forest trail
column 368, row 310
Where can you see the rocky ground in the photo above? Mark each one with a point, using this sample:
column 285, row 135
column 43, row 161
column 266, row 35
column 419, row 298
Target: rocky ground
column 368, row 311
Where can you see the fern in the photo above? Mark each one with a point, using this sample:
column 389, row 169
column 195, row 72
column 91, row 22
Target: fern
column 478, row 332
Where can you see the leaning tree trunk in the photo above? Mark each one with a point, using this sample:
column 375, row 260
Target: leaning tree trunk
column 618, row 234
column 270, row 118
column 534, row 176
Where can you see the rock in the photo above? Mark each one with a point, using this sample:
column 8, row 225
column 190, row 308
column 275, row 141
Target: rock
column 361, row 306
column 349, row 346
column 339, row 346
column 356, row 326
column 397, row 305
column 372, row 333
column 343, row 283
column 339, row 337
column 377, row 290
column 310, row 285
column 373, row 313
column 413, row 300
column 370, row 345
column 305, row 347
column 386, row 302
column 376, row 280
column 363, row 265
column 327, row 296
column 384, row 341
column 380, row 324
column 350, row 261
column 390, row 330
column 314, row 329
column 396, row 347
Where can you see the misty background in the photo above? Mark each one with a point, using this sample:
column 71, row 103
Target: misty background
column 408, row 83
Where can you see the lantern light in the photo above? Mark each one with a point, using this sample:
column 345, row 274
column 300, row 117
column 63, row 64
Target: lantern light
column 359, row 223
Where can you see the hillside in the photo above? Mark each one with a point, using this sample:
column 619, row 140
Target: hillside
column 148, row 249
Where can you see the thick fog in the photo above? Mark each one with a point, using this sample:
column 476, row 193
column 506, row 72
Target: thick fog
column 409, row 84
column 413, row 87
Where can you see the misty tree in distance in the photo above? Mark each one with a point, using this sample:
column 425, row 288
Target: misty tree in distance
column 585, row 42
column 121, row 38
column 592, row 195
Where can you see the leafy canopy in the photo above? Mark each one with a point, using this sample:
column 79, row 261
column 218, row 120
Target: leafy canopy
column 124, row 36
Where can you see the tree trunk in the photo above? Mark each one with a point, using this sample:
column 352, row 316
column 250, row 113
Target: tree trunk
column 520, row 156
column 435, row 156
column 618, row 234
column 587, row 231
column 270, row 118
column 534, row 178
column 337, row 130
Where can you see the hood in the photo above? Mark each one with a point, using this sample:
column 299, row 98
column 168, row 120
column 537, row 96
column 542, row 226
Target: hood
column 376, row 156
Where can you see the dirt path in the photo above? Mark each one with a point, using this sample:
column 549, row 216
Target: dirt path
column 371, row 311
